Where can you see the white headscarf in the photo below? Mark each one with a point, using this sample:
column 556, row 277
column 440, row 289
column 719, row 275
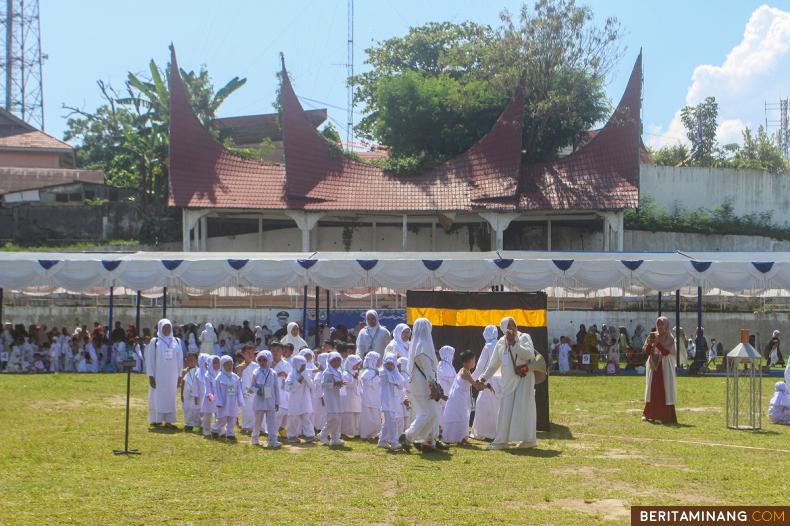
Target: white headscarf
column 505, row 322
column 167, row 340
column 322, row 360
column 308, row 352
column 780, row 396
column 421, row 343
column 335, row 373
column 224, row 376
column 401, row 347
column 371, row 360
column 297, row 341
column 446, row 368
column 490, row 334
column 297, row 361
column 375, row 315
column 352, row 362
column 390, row 358
column 264, row 354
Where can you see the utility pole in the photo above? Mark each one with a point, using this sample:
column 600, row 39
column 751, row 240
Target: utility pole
column 23, row 61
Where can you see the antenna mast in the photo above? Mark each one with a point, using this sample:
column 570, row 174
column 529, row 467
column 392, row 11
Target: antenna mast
column 22, row 61
column 350, row 74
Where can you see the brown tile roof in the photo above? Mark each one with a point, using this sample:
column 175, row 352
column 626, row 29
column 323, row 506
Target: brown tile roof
column 13, row 179
column 204, row 174
column 604, row 174
column 16, row 134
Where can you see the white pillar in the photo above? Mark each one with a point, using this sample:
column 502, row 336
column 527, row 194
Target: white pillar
column 620, row 230
column 499, row 223
column 433, row 235
column 605, row 246
column 405, row 234
column 305, row 221
column 204, row 234
column 260, row 234
column 375, row 238
column 548, row 234
column 185, row 230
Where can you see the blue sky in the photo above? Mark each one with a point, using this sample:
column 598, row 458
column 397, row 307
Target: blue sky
column 90, row 40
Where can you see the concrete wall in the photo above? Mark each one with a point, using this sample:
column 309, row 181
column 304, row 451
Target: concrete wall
column 750, row 191
column 724, row 326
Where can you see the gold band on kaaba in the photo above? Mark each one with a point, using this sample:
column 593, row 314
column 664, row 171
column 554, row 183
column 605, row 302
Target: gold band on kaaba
column 443, row 317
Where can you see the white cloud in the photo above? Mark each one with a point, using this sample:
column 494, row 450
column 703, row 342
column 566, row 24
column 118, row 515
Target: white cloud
column 754, row 71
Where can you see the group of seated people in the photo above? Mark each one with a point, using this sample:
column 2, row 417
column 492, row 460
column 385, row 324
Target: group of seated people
column 611, row 346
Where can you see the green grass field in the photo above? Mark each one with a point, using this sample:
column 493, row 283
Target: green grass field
column 57, row 466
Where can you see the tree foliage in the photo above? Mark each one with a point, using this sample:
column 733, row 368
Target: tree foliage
column 701, row 122
column 673, row 155
column 432, row 93
column 127, row 136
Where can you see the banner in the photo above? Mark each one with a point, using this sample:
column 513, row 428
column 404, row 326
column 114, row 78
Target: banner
column 458, row 319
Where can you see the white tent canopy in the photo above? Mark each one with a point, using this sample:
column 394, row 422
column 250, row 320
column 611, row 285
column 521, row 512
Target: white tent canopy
column 470, row 271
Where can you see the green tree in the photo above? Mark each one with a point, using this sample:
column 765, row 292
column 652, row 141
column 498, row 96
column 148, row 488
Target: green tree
column 432, row 93
column 127, row 136
column 675, row 155
column 701, row 122
column 759, row 151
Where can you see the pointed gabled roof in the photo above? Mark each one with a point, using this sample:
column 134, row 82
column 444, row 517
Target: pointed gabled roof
column 203, row 173
column 604, row 173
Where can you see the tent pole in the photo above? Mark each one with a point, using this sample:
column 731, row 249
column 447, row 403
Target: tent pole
column 317, row 315
column 677, row 330
column 659, row 303
column 304, row 310
column 1, row 304
column 328, row 311
column 164, row 302
column 109, row 328
column 137, row 329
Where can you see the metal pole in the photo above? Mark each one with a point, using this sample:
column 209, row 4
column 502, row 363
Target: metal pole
column 137, row 329
column 304, row 310
column 164, row 302
column 1, row 306
column 9, row 56
column 328, row 310
column 659, row 303
column 677, row 331
column 109, row 328
column 317, row 316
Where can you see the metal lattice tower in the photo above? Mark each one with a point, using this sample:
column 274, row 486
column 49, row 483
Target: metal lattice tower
column 22, row 61
column 777, row 122
column 350, row 73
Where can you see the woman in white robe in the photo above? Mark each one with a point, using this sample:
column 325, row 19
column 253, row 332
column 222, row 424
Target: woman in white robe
column 422, row 368
column 294, row 338
column 370, row 416
column 487, row 405
column 373, row 337
column 399, row 345
column 514, row 356
column 163, row 365
column 208, row 340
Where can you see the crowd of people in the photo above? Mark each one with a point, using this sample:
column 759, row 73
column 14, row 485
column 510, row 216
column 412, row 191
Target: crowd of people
column 394, row 388
column 617, row 349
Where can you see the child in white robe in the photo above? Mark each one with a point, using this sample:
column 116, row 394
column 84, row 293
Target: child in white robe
column 779, row 406
column 331, row 383
column 391, row 387
column 564, row 356
column 445, row 373
column 299, row 385
column 370, row 416
column 266, row 399
column 208, row 406
column 319, row 410
column 455, row 419
column 282, row 367
column 190, row 394
column 230, row 398
column 245, row 371
column 55, row 355
column 406, row 416
column 351, row 396
column 487, row 403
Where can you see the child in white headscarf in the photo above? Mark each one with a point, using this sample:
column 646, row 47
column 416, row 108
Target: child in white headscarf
column 331, row 383
column 406, row 416
column 391, row 387
column 779, row 406
column 455, row 419
column 299, row 385
column 319, row 411
column 487, row 405
column 373, row 337
column 245, row 370
column 208, row 406
column 281, row 367
column 230, row 398
column 190, row 394
column 445, row 373
column 399, row 345
column 370, row 416
column 351, row 396
column 266, row 394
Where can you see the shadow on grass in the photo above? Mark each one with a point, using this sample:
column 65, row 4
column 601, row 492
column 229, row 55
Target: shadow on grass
column 164, row 430
column 435, row 455
column 558, row 432
column 533, row 452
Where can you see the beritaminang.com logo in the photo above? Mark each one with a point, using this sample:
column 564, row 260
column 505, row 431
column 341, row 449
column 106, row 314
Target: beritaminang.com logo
column 705, row 515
